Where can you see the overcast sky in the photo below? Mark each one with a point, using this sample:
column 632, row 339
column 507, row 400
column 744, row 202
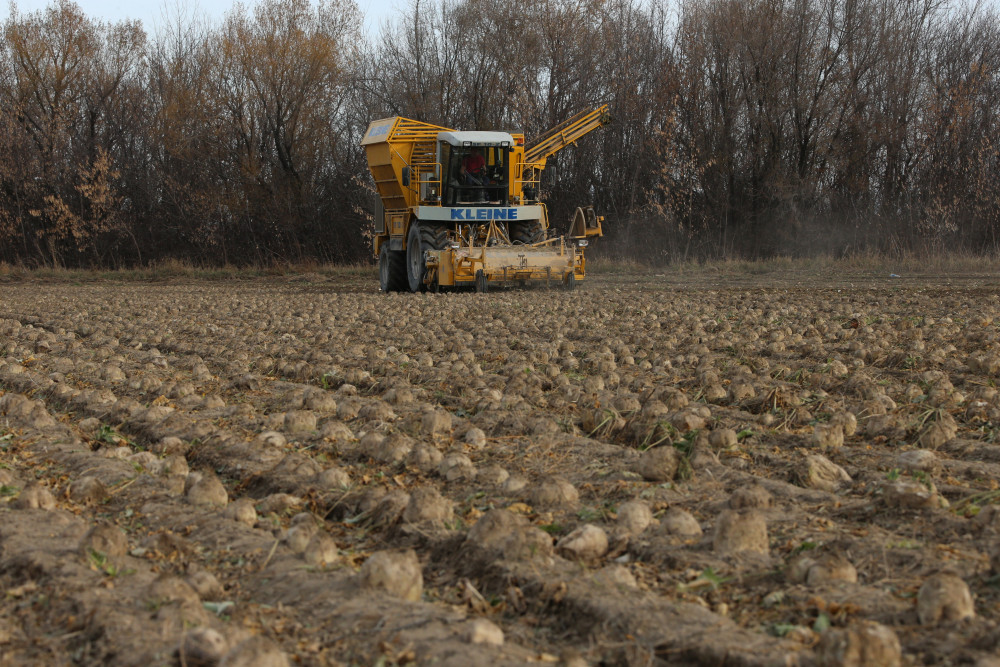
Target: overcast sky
column 151, row 12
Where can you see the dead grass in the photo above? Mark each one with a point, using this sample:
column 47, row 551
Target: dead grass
column 173, row 269
column 604, row 266
column 868, row 265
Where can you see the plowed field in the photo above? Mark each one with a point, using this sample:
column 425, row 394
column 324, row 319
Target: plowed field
column 769, row 469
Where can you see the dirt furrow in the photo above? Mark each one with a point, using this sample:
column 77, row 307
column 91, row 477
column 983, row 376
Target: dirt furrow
column 633, row 475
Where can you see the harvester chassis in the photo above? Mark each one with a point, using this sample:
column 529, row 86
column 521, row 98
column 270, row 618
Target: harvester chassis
column 462, row 209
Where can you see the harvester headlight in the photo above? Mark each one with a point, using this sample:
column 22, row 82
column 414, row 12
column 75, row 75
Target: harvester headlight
column 582, row 243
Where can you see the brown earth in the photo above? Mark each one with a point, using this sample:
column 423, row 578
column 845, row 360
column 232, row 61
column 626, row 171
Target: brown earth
column 795, row 467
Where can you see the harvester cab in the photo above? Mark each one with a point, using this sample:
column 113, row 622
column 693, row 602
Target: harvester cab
column 462, row 208
column 488, row 180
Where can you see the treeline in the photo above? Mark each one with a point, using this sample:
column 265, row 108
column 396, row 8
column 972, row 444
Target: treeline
column 741, row 127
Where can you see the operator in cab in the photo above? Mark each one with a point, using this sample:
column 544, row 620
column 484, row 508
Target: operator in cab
column 473, row 168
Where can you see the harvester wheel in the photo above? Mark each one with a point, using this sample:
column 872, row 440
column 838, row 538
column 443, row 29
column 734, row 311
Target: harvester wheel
column 422, row 237
column 415, row 266
column 434, row 237
column 482, row 285
column 526, row 232
column 569, row 282
column 391, row 269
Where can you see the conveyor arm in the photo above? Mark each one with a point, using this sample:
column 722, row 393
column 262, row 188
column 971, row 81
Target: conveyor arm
column 564, row 134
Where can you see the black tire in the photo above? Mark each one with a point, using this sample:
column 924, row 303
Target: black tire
column 422, row 237
column 482, row 285
column 391, row 269
column 415, row 265
column 434, row 237
column 526, row 232
column 569, row 282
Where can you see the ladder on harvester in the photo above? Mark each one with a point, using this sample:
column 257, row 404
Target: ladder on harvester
column 425, row 173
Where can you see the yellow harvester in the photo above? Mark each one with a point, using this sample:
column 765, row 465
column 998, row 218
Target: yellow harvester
column 463, row 209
